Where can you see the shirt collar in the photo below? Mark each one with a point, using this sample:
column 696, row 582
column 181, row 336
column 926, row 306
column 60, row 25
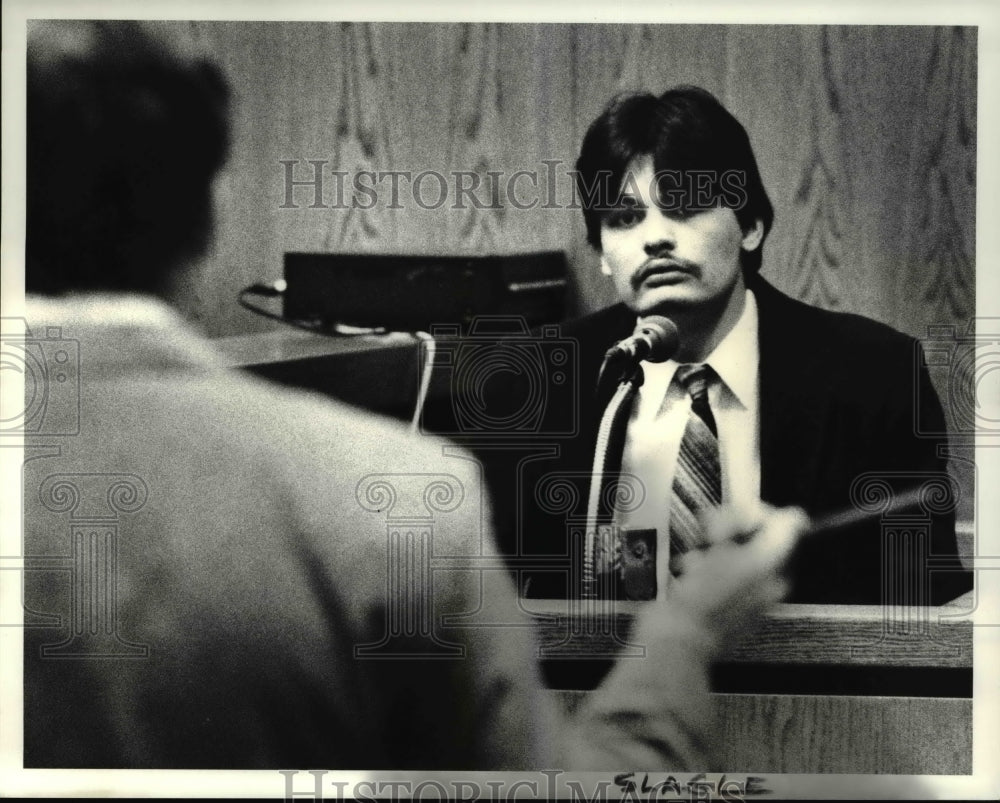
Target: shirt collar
column 120, row 332
column 735, row 359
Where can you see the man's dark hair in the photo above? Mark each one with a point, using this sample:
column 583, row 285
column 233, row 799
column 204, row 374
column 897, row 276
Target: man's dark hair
column 686, row 129
column 124, row 137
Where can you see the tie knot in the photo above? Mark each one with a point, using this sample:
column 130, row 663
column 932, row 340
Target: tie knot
column 695, row 379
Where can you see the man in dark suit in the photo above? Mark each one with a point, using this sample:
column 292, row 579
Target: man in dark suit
column 797, row 405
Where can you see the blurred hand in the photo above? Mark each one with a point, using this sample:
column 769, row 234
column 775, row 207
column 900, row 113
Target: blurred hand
column 657, row 711
column 728, row 586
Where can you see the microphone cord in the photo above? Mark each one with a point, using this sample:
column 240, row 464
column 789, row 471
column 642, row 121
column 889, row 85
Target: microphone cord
column 618, row 406
column 427, row 340
column 276, row 290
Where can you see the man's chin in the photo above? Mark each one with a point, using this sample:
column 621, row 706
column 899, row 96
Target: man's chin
column 663, row 300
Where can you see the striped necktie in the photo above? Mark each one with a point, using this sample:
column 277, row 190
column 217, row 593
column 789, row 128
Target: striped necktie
column 697, row 477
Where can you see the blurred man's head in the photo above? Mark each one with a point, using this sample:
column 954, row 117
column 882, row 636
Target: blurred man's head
column 124, row 138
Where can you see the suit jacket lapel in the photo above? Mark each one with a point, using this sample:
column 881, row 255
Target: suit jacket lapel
column 794, row 401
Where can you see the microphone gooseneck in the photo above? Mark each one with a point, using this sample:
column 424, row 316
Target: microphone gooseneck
column 655, row 339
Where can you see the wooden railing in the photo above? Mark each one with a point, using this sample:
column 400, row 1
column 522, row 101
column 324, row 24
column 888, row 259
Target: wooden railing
column 839, row 689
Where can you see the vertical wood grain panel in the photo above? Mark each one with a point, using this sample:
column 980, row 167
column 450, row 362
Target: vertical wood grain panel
column 363, row 139
column 476, row 142
column 536, row 129
column 767, row 91
column 822, row 204
column 897, row 735
column 773, row 733
column 424, row 83
column 865, row 137
column 940, row 191
column 878, row 98
column 686, row 54
column 786, row 85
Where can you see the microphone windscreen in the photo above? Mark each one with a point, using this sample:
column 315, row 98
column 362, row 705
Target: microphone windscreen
column 662, row 335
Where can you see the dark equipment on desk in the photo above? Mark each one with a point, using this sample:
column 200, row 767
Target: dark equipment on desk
column 412, row 293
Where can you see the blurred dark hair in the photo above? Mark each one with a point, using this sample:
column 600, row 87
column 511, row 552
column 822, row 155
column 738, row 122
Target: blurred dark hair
column 685, row 129
column 124, row 137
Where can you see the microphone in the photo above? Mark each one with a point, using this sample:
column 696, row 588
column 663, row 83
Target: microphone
column 655, row 339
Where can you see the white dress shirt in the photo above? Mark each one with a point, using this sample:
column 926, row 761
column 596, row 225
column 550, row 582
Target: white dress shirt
column 657, row 423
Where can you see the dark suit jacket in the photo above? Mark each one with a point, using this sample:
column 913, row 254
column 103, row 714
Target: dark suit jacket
column 838, row 394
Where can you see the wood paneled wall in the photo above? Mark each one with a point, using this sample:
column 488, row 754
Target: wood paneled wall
column 865, row 136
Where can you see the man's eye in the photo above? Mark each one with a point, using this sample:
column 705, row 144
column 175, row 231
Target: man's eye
column 685, row 212
column 623, row 218
column 679, row 212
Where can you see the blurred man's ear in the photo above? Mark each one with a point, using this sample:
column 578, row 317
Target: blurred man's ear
column 753, row 235
column 605, row 267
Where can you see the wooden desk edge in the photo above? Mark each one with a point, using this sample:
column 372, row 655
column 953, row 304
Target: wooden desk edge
column 858, row 635
column 289, row 345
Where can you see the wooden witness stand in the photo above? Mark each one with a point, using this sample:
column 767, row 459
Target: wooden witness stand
column 824, row 688
column 816, row 689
